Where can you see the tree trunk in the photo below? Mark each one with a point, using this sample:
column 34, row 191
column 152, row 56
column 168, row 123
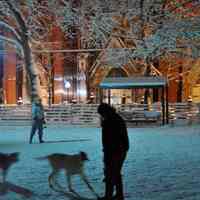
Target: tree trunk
column 33, row 78
column 147, row 73
column 24, row 41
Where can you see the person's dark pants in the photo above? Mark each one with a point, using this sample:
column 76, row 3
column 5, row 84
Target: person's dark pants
column 113, row 178
column 37, row 125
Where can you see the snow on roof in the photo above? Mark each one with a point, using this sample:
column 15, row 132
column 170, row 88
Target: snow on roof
column 133, row 82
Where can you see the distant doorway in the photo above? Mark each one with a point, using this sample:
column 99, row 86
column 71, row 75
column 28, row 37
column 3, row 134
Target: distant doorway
column 196, row 93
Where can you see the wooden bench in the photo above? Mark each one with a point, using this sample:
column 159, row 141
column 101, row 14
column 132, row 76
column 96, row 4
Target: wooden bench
column 137, row 121
column 141, row 117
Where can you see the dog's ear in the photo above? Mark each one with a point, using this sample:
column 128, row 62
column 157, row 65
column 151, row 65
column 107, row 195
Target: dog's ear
column 15, row 154
column 83, row 155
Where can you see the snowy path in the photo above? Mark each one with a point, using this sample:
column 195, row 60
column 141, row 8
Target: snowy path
column 163, row 162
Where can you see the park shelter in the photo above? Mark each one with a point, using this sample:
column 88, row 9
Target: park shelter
column 141, row 82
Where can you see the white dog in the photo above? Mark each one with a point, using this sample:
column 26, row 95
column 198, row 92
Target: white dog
column 72, row 164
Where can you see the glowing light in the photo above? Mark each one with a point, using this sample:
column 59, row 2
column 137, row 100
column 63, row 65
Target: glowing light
column 59, row 91
column 81, row 92
column 67, row 84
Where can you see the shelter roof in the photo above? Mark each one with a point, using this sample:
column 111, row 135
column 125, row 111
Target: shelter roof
column 133, row 82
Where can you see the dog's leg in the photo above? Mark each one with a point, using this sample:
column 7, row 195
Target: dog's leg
column 83, row 176
column 69, row 182
column 68, row 176
column 53, row 182
column 50, row 180
column 4, row 174
column 56, row 182
column 3, row 186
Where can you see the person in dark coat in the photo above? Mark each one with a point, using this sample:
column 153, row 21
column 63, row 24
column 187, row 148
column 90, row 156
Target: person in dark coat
column 115, row 146
column 38, row 120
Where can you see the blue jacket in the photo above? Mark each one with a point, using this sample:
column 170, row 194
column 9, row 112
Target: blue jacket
column 37, row 111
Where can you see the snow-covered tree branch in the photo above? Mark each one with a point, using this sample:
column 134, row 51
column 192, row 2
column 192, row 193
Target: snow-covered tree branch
column 22, row 23
column 153, row 26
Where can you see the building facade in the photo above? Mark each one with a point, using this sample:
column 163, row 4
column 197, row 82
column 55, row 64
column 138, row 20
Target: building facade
column 73, row 76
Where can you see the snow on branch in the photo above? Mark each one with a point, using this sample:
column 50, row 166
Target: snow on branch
column 11, row 29
column 116, row 57
column 13, row 42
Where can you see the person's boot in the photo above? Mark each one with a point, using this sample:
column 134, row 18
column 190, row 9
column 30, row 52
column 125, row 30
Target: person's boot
column 105, row 198
column 40, row 139
column 109, row 191
column 119, row 189
column 101, row 198
column 30, row 140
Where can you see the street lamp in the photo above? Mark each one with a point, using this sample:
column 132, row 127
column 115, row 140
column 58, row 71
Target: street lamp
column 49, row 72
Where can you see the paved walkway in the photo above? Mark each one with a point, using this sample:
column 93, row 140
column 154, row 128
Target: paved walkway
column 163, row 162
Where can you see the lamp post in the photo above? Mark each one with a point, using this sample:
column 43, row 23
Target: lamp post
column 49, row 72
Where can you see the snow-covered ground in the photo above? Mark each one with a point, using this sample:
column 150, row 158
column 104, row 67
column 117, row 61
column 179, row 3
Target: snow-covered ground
column 163, row 162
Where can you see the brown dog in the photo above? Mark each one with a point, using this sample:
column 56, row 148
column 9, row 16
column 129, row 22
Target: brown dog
column 6, row 161
column 72, row 164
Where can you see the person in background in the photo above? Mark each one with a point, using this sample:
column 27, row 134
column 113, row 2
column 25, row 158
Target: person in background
column 115, row 146
column 123, row 99
column 38, row 119
column 190, row 114
column 19, row 101
column 1, row 96
column 91, row 99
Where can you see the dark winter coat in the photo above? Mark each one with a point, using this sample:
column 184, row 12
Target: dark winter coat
column 114, row 135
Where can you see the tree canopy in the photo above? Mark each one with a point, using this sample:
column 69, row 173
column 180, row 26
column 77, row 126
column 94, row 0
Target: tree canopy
column 156, row 27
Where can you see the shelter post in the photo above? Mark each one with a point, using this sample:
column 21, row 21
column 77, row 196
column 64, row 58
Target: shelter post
column 109, row 95
column 101, row 95
column 163, row 105
column 167, row 104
